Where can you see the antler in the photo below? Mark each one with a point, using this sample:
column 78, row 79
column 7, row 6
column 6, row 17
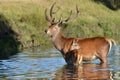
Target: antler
column 71, row 18
column 51, row 19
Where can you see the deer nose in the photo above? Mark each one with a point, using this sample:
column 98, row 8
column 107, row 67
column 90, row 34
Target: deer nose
column 45, row 30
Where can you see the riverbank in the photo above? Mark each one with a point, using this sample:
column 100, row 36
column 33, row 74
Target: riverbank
column 26, row 18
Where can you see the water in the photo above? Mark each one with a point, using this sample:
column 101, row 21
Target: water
column 50, row 65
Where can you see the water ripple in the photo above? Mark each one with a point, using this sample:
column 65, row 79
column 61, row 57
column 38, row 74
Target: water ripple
column 50, row 65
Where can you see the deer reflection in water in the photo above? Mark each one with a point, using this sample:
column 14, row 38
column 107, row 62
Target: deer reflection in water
column 86, row 71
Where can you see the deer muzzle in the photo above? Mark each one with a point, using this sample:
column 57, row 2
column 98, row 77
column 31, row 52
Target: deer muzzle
column 45, row 30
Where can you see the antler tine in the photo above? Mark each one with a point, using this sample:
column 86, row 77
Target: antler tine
column 60, row 18
column 51, row 10
column 47, row 18
column 71, row 18
column 50, row 19
column 68, row 17
column 77, row 12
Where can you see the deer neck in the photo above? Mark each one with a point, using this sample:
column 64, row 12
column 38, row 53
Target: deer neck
column 58, row 40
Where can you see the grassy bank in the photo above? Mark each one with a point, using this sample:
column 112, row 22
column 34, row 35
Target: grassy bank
column 26, row 18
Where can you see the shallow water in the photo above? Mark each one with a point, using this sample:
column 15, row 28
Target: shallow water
column 50, row 65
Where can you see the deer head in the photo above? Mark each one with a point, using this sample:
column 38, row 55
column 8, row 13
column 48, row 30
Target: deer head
column 75, row 45
column 54, row 28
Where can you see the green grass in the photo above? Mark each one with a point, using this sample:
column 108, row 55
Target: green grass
column 26, row 18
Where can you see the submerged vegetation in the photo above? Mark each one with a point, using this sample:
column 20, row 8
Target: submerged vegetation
column 26, row 18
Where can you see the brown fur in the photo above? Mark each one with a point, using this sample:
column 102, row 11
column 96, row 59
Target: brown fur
column 91, row 48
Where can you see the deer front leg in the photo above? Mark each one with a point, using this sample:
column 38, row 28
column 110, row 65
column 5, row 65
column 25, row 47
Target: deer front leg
column 80, row 59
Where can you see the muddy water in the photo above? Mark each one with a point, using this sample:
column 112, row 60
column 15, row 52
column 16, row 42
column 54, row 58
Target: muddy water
column 49, row 65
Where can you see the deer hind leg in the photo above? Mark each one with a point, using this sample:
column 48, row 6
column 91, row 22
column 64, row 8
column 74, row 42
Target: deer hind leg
column 104, row 53
column 103, row 56
column 103, row 59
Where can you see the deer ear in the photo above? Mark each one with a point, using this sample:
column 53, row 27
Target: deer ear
column 73, row 42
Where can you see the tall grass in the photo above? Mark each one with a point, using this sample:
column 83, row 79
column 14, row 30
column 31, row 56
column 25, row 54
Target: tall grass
column 27, row 18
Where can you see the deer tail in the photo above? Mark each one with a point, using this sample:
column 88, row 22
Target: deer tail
column 111, row 42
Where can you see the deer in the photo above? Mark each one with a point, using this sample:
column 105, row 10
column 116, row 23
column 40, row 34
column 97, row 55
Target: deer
column 96, row 47
column 78, row 54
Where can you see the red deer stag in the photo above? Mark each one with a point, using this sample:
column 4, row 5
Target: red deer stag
column 95, row 47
